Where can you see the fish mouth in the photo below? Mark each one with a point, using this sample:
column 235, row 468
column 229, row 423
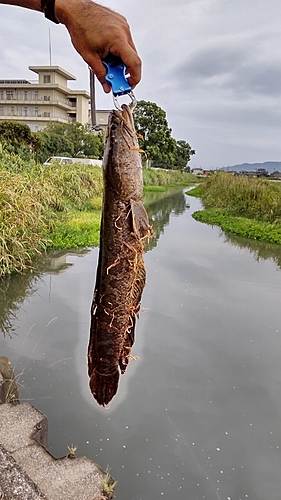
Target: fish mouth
column 127, row 115
column 123, row 117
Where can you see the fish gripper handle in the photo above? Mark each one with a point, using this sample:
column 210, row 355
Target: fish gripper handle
column 116, row 75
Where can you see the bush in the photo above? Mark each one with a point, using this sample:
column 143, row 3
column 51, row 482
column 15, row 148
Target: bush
column 243, row 196
column 31, row 197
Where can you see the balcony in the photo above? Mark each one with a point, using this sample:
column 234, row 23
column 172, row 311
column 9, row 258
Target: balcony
column 61, row 103
column 37, row 118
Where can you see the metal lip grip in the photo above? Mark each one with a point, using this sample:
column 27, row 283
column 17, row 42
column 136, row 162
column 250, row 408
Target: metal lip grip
column 116, row 77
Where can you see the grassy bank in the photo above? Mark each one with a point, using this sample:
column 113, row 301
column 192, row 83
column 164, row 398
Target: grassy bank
column 241, row 205
column 44, row 207
column 153, row 179
column 34, row 201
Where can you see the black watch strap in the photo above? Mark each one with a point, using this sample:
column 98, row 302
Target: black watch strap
column 48, row 7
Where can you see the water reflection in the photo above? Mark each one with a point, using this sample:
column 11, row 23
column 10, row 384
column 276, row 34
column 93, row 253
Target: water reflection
column 160, row 207
column 14, row 291
column 198, row 414
column 56, row 262
column 260, row 249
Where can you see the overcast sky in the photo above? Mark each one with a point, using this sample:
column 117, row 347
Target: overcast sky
column 214, row 66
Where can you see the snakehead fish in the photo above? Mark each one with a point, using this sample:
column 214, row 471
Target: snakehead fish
column 121, row 273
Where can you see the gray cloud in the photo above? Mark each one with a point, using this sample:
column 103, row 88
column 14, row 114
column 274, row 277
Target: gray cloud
column 212, row 65
column 211, row 62
column 237, row 69
column 259, row 79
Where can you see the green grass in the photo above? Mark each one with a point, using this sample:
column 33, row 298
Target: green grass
column 155, row 189
column 81, row 229
column 160, row 177
column 243, row 196
column 242, row 226
column 197, row 191
column 54, row 207
column 34, row 201
column 244, row 206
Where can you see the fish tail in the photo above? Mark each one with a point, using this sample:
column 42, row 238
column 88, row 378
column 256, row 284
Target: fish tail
column 104, row 387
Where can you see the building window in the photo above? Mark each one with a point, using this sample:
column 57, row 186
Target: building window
column 1, row 111
column 9, row 95
column 46, row 114
column 47, row 97
column 47, row 79
column 33, row 111
column 33, row 127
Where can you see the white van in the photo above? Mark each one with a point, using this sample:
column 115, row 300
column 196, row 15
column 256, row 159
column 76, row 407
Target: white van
column 63, row 160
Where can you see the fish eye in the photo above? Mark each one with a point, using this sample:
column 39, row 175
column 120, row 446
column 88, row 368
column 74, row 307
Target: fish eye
column 114, row 126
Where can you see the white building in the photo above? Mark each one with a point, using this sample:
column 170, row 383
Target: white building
column 36, row 103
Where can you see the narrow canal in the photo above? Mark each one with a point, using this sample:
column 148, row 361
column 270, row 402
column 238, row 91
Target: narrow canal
column 198, row 414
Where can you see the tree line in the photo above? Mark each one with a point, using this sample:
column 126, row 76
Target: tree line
column 77, row 140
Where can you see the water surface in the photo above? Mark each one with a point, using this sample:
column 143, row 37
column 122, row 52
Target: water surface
column 198, row 414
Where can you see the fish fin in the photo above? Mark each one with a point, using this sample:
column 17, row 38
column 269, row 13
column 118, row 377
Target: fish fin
column 141, row 224
column 104, row 387
column 127, row 346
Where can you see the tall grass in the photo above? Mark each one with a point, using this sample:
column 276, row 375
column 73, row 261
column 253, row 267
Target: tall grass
column 40, row 205
column 31, row 196
column 243, row 196
column 160, row 177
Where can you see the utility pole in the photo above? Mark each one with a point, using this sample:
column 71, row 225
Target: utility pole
column 93, row 99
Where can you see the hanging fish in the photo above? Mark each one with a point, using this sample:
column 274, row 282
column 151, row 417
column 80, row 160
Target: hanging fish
column 121, row 273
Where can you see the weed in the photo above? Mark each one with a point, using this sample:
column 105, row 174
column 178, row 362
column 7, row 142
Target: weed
column 242, row 226
column 159, row 177
column 33, row 199
column 54, row 206
column 243, row 196
column 241, row 205
column 72, row 450
column 108, row 485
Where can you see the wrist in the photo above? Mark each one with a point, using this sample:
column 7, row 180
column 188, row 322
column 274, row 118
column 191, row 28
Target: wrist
column 48, row 8
column 66, row 10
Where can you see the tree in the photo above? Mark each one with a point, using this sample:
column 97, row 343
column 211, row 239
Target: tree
column 183, row 154
column 71, row 139
column 53, row 145
column 155, row 135
column 18, row 138
column 156, row 138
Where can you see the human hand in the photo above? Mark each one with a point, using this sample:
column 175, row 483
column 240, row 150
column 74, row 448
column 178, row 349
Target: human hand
column 95, row 32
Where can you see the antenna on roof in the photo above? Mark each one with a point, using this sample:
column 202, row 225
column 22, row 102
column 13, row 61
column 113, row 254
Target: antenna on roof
column 50, row 48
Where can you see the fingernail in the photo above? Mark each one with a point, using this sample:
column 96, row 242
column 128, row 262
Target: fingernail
column 106, row 88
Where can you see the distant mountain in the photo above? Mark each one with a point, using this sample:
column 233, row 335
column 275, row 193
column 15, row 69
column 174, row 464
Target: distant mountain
column 270, row 166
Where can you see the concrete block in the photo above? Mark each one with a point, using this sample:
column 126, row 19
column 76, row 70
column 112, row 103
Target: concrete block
column 18, row 425
column 29, row 472
column 15, row 483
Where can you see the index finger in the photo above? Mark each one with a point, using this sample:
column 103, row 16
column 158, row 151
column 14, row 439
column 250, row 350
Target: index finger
column 132, row 62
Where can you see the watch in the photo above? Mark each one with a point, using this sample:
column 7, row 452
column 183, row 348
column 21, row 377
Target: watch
column 48, row 8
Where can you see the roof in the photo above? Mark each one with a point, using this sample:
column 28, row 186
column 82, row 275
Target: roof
column 56, row 69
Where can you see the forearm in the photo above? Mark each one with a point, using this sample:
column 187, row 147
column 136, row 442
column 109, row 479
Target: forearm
column 28, row 4
column 95, row 32
column 62, row 7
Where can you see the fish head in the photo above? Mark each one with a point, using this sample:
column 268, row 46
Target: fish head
column 122, row 164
